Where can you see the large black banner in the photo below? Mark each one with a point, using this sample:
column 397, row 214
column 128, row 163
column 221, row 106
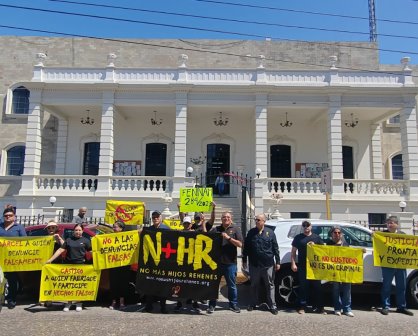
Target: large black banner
column 177, row 264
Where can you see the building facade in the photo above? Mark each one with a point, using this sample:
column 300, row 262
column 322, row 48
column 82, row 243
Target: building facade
column 281, row 113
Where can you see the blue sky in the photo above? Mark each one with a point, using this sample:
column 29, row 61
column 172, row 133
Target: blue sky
column 159, row 25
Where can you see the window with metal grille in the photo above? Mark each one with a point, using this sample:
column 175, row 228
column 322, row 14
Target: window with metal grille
column 20, row 104
column 15, row 160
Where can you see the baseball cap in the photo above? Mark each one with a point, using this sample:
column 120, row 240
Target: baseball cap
column 187, row 219
column 51, row 224
column 156, row 214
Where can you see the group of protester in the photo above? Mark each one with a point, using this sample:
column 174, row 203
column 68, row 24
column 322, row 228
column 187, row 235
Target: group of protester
column 260, row 253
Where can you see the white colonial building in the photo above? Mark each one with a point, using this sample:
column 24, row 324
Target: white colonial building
column 156, row 111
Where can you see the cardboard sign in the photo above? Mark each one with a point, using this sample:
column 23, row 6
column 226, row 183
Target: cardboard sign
column 115, row 249
column 129, row 212
column 334, row 263
column 69, row 283
column 195, row 199
column 395, row 250
column 25, row 253
column 173, row 224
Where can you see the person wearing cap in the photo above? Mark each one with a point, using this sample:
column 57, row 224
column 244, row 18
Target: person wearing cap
column 200, row 224
column 9, row 228
column 262, row 250
column 157, row 224
column 299, row 245
column 231, row 240
column 388, row 273
column 52, row 230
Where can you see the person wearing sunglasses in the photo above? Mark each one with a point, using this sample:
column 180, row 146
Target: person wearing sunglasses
column 299, row 246
column 341, row 291
column 9, row 228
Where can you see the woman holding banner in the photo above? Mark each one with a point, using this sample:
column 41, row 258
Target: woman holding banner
column 119, row 277
column 76, row 247
column 341, row 291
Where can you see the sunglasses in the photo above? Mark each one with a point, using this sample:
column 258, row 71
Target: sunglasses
column 11, row 215
column 336, row 232
column 155, row 217
column 305, row 226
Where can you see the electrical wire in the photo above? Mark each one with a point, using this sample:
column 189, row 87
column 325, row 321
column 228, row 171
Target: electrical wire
column 180, row 26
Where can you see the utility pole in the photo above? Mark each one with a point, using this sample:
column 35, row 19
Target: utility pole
column 372, row 22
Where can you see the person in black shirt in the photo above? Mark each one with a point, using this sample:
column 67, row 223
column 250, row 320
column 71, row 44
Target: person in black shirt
column 299, row 245
column 232, row 238
column 76, row 247
column 261, row 247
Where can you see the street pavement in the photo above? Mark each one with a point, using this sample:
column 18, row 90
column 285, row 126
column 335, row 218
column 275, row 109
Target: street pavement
column 97, row 319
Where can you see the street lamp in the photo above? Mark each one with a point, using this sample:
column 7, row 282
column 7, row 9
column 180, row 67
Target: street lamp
column 52, row 200
column 402, row 205
column 189, row 171
column 258, row 172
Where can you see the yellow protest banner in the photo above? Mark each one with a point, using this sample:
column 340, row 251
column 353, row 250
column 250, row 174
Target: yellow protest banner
column 334, row 263
column 174, row 224
column 69, row 283
column 129, row 212
column 395, row 250
column 25, row 253
column 115, row 249
column 195, row 199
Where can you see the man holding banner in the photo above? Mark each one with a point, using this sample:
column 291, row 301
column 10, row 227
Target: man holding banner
column 400, row 277
column 10, row 229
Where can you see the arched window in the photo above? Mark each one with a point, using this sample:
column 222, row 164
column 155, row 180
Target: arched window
column 91, row 158
column 280, row 161
column 15, row 160
column 397, row 167
column 20, row 103
column 156, row 159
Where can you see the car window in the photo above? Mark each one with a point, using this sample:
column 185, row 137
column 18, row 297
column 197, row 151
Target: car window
column 37, row 232
column 357, row 237
column 294, row 231
column 102, row 229
column 322, row 231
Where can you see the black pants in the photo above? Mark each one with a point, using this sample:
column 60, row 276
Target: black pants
column 13, row 281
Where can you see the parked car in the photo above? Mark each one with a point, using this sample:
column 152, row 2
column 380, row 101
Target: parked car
column 286, row 280
column 30, row 280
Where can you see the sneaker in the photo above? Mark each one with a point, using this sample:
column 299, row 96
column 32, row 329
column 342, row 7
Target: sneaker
column 78, row 307
column 319, row 311
column 251, row 308
column 384, row 311
column 301, row 311
column 405, row 311
column 210, row 310
column 234, row 308
column 274, row 311
column 338, row 313
column 349, row 313
column 67, row 307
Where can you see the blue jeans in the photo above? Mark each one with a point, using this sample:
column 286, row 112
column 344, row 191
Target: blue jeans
column 306, row 286
column 341, row 295
column 400, row 280
column 230, row 273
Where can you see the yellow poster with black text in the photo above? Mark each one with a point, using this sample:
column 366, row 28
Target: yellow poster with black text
column 25, row 253
column 174, row 224
column 395, row 250
column 195, row 199
column 115, row 249
column 69, row 283
column 129, row 212
column 334, row 263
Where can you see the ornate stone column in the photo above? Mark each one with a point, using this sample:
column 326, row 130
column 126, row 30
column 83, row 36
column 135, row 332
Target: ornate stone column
column 61, row 146
column 33, row 151
column 106, row 144
column 180, row 143
column 376, row 151
column 261, row 151
column 335, row 155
